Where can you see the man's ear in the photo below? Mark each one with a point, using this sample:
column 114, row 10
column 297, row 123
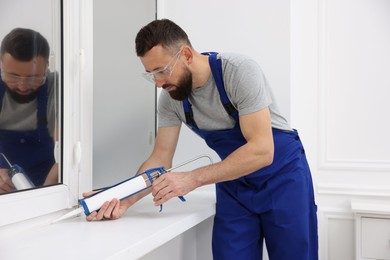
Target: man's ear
column 188, row 55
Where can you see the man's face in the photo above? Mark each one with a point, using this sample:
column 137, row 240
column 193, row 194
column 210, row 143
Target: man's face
column 182, row 89
column 168, row 72
column 23, row 78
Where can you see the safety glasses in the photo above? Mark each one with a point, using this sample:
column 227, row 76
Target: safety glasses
column 13, row 80
column 163, row 73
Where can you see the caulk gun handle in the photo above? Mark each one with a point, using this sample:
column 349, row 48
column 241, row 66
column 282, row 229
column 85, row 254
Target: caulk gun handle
column 165, row 171
column 161, row 171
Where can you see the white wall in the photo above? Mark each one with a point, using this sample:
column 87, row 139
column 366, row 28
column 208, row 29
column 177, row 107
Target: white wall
column 341, row 59
column 124, row 110
column 17, row 13
column 194, row 244
column 45, row 20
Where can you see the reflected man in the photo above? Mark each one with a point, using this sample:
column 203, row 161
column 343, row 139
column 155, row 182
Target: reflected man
column 27, row 108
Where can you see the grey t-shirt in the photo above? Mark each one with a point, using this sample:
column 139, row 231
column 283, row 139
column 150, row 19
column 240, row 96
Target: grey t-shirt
column 246, row 87
column 23, row 117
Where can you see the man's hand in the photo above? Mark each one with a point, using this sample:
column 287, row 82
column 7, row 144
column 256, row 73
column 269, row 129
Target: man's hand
column 5, row 182
column 110, row 210
column 172, row 184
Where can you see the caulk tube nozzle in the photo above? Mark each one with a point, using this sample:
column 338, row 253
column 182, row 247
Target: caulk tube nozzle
column 69, row 215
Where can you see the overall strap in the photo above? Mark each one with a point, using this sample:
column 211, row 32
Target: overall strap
column 216, row 70
column 2, row 91
column 189, row 114
column 42, row 106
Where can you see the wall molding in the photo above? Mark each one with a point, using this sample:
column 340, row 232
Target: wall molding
column 324, row 163
column 353, row 190
column 325, row 215
column 370, row 207
column 325, row 160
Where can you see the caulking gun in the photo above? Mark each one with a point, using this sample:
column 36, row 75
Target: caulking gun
column 124, row 189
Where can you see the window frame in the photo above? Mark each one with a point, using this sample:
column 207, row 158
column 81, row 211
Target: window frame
column 77, row 123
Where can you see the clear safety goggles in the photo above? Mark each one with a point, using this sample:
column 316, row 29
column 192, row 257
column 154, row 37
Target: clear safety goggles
column 13, row 80
column 163, row 73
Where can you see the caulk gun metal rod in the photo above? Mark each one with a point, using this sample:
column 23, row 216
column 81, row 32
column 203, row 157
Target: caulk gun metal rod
column 154, row 176
column 189, row 161
column 5, row 158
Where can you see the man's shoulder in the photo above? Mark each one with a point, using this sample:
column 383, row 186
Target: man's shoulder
column 237, row 62
column 52, row 78
column 234, row 57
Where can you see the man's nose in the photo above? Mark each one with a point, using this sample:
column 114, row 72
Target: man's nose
column 160, row 83
column 23, row 86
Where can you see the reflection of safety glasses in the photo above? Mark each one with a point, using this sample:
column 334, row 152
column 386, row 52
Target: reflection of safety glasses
column 163, row 73
column 14, row 80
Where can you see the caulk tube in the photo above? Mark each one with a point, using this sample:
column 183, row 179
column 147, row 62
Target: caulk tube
column 19, row 179
column 121, row 191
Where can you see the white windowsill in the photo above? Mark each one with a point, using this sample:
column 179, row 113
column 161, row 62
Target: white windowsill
column 141, row 230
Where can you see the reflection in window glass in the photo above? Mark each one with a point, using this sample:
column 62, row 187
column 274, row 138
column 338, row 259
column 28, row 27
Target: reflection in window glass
column 30, row 110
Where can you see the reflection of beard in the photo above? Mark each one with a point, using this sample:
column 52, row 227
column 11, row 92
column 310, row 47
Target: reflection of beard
column 183, row 87
column 23, row 99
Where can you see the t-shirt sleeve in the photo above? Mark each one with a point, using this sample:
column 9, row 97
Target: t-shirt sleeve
column 167, row 116
column 247, row 86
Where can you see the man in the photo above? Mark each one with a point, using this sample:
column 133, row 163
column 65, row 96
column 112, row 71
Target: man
column 263, row 182
column 27, row 108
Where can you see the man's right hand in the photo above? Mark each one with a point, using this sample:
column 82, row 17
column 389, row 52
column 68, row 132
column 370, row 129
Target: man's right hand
column 110, row 210
column 5, row 182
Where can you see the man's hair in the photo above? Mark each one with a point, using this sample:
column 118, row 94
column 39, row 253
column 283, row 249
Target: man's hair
column 25, row 44
column 162, row 32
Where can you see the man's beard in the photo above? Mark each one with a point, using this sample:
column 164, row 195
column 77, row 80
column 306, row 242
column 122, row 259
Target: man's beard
column 22, row 99
column 183, row 87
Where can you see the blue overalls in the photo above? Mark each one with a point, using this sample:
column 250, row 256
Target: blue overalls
column 275, row 202
column 33, row 150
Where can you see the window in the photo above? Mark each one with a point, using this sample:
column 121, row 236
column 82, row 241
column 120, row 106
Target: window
column 71, row 43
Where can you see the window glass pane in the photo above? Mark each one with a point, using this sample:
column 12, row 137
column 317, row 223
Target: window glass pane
column 30, row 94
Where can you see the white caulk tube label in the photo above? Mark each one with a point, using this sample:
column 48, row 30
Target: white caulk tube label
column 120, row 191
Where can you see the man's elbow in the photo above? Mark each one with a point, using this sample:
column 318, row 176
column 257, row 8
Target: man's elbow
column 264, row 154
column 269, row 158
